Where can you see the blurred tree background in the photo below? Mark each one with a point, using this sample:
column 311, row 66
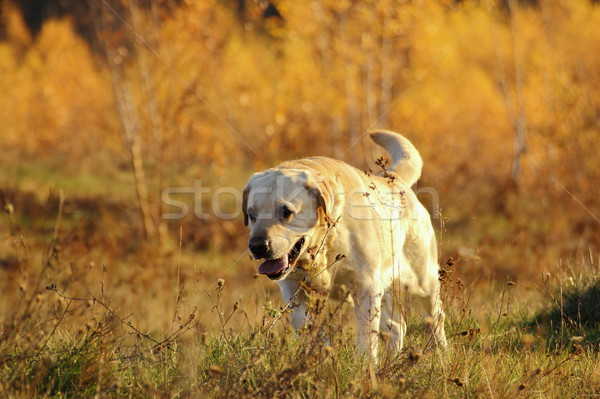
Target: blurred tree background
column 113, row 102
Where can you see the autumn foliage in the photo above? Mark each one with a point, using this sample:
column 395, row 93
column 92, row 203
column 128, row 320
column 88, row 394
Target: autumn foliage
column 501, row 98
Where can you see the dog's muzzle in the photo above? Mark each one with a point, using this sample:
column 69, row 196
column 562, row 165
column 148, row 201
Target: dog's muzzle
column 276, row 268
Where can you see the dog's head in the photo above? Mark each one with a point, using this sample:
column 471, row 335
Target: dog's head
column 283, row 208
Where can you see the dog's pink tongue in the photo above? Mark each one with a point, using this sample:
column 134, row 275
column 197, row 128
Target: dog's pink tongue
column 271, row 266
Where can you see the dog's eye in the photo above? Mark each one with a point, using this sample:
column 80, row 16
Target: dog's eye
column 251, row 215
column 286, row 212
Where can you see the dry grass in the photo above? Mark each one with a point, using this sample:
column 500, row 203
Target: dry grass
column 76, row 332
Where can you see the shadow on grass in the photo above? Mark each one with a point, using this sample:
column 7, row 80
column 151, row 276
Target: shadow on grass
column 573, row 318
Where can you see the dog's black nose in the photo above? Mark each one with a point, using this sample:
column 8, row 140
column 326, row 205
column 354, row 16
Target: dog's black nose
column 260, row 247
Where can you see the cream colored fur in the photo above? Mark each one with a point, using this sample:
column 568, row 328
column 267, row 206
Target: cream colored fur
column 376, row 221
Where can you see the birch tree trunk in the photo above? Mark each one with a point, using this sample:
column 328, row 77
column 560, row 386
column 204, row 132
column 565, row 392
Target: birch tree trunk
column 519, row 119
column 116, row 54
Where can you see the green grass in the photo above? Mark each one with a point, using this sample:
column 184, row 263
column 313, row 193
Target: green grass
column 81, row 178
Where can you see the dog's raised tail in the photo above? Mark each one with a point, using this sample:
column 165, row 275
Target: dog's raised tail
column 406, row 160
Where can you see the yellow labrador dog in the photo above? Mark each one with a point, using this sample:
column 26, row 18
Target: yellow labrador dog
column 323, row 222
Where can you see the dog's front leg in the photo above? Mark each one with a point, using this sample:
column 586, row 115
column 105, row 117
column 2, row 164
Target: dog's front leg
column 295, row 298
column 368, row 315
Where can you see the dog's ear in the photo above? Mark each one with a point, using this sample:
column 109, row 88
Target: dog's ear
column 322, row 192
column 245, row 193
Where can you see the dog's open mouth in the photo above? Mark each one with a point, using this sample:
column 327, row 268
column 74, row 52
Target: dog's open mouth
column 275, row 268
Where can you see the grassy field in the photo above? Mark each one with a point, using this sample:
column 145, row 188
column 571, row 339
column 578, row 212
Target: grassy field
column 107, row 106
column 174, row 322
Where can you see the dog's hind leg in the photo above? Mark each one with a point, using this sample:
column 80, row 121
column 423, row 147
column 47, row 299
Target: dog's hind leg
column 433, row 306
column 392, row 324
